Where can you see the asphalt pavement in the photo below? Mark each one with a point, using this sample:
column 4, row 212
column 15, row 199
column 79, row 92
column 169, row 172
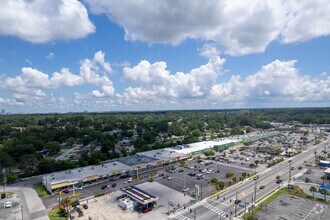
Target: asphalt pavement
column 224, row 206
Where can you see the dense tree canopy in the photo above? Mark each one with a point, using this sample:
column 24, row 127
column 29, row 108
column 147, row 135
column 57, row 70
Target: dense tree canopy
column 31, row 142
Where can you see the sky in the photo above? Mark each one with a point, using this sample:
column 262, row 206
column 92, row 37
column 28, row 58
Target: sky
column 122, row 55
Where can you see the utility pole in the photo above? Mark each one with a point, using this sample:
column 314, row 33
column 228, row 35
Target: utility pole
column 195, row 215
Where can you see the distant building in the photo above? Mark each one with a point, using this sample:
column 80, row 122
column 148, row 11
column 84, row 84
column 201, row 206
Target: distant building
column 3, row 111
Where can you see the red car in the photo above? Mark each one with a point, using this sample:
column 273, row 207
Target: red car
column 66, row 191
column 146, row 209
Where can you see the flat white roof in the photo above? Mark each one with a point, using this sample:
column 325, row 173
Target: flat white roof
column 78, row 174
column 139, row 195
column 198, row 146
column 166, row 154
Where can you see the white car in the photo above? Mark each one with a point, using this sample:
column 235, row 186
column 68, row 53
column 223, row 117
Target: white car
column 9, row 204
column 185, row 189
column 130, row 179
column 170, row 177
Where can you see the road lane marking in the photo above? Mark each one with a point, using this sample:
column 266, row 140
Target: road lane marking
column 213, row 200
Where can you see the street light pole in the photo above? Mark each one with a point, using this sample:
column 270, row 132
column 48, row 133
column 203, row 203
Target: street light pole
column 315, row 155
column 236, row 203
column 184, row 179
column 290, row 162
column 255, row 190
column 245, row 210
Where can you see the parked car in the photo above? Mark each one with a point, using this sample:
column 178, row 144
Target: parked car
column 130, row 179
column 9, row 204
column 104, row 187
column 114, row 185
column 66, row 191
column 3, row 196
column 85, row 206
column 261, row 187
column 185, row 189
column 170, row 178
column 180, row 171
column 146, row 209
column 299, row 168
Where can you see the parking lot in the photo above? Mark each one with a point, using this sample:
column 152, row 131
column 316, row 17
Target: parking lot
column 314, row 177
column 106, row 207
column 184, row 178
column 10, row 208
column 294, row 208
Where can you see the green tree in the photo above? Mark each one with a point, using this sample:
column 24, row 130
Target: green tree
column 234, row 179
column 53, row 147
column 209, row 153
column 313, row 190
column 214, row 180
column 196, row 132
column 221, row 184
column 229, row 174
column 5, row 160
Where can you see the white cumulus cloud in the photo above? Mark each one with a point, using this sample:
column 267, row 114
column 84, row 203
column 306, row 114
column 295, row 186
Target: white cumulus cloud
column 155, row 80
column 237, row 27
column 41, row 21
column 279, row 81
column 31, row 82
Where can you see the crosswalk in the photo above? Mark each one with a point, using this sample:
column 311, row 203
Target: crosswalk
column 216, row 210
column 182, row 217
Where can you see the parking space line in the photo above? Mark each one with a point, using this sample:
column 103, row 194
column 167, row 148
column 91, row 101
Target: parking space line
column 309, row 213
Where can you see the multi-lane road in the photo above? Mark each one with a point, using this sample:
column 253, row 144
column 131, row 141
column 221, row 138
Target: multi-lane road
column 223, row 206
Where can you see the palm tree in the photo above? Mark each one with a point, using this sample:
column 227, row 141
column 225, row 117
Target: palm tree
column 66, row 202
column 313, row 190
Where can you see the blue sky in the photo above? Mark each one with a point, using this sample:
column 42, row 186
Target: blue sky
column 69, row 55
